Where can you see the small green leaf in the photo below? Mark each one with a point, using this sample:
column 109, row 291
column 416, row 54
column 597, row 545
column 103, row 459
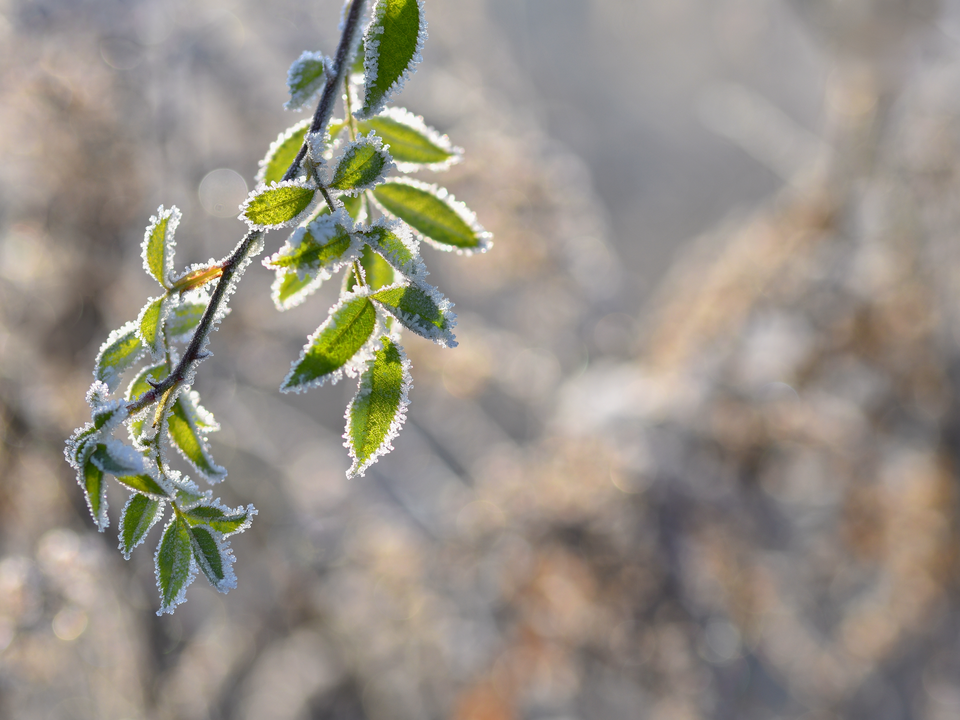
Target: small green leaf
column 361, row 166
column 329, row 351
column 184, row 318
column 376, row 413
column 305, row 79
column 159, row 245
column 144, row 484
column 277, row 205
column 283, row 151
column 187, row 426
column 422, row 309
column 413, row 145
column 191, row 495
column 392, row 44
column 150, row 325
column 117, row 459
column 139, row 515
column 322, row 245
column 377, row 272
column 434, row 213
column 289, row 289
column 223, row 520
column 95, row 491
column 174, row 564
column 208, row 554
column 392, row 240
column 119, row 352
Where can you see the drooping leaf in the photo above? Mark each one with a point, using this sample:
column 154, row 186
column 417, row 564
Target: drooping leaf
column 139, row 515
column 333, row 349
column 362, row 165
column 121, row 350
column 221, row 519
column 412, row 144
column 150, row 325
column 306, row 78
column 214, row 557
column 174, row 563
column 187, row 426
column 117, row 459
column 392, row 239
column 105, row 417
column 377, row 412
column 283, row 151
column 434, row 213
column 95, row 492
column 422, row 309
column 278, row 205
column 159, row 245
column 392, row 45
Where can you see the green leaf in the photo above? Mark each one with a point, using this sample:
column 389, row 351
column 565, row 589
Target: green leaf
column 117, row 459
column 352, row 203
column 283, row 151
column 392, row 240
column 277, row 205
column 377, row 272
column 174, row 565
column 144, row 484
column 206, row 551
column 329, row 351
column 289, row 289
column 150, row 325
column 376, row 413
column 413, row 144
column 392, row 43
column 141, row 383
column 139, row 515
column 223, row 520
column 95, row 492
column 434, row 213
column 119, row 352
column 305, row 79
column 422, row 309
column 159, row 245
column 361, row 166
column 187, row 426
column 357, row 66
column 184, row 318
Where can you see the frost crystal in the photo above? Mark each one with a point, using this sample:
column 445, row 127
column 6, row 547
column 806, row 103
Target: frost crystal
column 306, row 78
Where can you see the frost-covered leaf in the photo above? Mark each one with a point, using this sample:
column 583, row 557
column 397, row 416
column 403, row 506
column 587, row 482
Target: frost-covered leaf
column 183, row 319
column 422, row 309
column 334, row 347
column 283, row 151
column 392, row 45
column 175, row 568
column 144, row 484
column 139, row 515
column 377, row 272
column 187, row 426
column 214, row 557
column 224, row 520
column 277, row 205
column 117, row 459
column 150, row 324
column 159, row 245
column 376, row 413
column 434, row 213
column 105, row 417
column 311, row 255
column 306, row 78
column 412, row 144
column 138, row 386
column 196, row 276
column 95, row 492
column 353, row 204
column 362, row 165
column 121, row 350
column 393, row 240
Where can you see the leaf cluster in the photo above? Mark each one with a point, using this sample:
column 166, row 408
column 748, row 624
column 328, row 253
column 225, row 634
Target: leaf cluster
column 344, row 188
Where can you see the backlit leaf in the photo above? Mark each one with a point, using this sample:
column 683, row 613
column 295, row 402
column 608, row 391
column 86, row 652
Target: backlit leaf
column 377, row 272
column 333, row 349
column 150, row 325
column 139, row 515
column 283, row 151
column 376, row 413
column 422, row 309
column 413, row 144
column 95, row 492
column 362, row 165
column 187, row 426
column 278, row 205
column 175, row 569
column 221, row 519
column 183, row 319
column 392, row 239
column 159, row 245
column 434, row 213
column 121, row 350
column 392, row 45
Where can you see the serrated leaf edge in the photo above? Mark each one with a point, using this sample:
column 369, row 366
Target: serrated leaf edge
column 300, row 98
column 416, row 122
column 263, row 188
column 173, row 217
column 443, row 337
column 158, row 516
column 372, row 59
column 370, row 138
column 111, row 376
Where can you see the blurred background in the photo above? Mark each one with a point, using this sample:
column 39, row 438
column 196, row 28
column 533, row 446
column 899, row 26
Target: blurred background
column 696, row 456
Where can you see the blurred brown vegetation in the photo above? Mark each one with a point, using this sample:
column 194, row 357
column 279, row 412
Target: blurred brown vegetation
column 734, row 499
